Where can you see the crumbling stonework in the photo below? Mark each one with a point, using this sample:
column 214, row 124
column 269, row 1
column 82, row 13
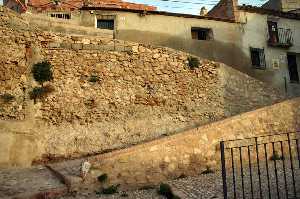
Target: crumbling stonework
column 141, row 93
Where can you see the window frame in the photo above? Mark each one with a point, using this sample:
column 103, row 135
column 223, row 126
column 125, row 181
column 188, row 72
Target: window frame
column 261, row 56
column 196, row 31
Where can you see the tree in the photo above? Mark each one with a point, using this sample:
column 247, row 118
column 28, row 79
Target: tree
column 42, row 72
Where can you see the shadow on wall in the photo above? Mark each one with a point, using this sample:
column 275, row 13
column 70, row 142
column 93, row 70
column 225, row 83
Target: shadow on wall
column 240, row 92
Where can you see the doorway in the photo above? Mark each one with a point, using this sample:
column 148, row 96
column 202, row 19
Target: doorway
column 293, row 69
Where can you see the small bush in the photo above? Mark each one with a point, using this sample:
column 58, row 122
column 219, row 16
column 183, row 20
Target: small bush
column 102, row 178
column 276, row 156
column 111, row 189
column 7, row 98
column 40, row 92
column 208, row 170
column 42, row 72
column 94, row 79
column 193, row 62
column 165, row 190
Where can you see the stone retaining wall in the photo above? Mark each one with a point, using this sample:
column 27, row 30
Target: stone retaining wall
column 191, row 152
column 141, row 93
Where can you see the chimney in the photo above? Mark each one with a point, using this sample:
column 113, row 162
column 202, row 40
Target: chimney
column 225, row 9
column 203, row 11
column 233, row 9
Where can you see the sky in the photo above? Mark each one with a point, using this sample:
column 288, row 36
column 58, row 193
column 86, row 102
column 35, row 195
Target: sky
column 190, row 6
column 186, row 6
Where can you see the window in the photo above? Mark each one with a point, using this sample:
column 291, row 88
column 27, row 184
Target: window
column 258, row 58
column 105, row 24
column 61, row 15
column 201, row 33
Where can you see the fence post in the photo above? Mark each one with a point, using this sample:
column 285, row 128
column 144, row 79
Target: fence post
column 223, row 169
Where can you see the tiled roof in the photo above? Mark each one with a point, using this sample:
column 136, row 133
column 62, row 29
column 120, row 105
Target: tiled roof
column 77, row 4
column 260, row 10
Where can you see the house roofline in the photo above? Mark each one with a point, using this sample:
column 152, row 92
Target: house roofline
column 164, row 13
column 259, row 10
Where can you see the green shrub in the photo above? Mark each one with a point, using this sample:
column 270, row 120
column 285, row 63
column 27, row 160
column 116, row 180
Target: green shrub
column 42, row 72
column 111, row 189
column 6, row 98
column 102, row 178
column 40, row 92
column 276, row 156
column 165, row 190
column 94, row 78
column 193, row 62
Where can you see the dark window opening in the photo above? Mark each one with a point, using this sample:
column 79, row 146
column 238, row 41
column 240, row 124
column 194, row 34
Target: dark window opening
column 201, row 33
column 61, row 15
column 258, row 58
column 105, row 24
column 293, row 69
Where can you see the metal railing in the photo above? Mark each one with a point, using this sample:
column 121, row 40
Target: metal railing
column 262, row 167
column 284, row 37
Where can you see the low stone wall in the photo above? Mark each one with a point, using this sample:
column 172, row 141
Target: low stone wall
column 191, row 152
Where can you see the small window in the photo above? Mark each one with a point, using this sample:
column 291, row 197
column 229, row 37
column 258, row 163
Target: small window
column 201, row 33
column 105, row 24
column 60, row 15
column 258, row 58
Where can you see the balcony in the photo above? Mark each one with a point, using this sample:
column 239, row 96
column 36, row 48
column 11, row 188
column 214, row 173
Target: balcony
column 281, row 38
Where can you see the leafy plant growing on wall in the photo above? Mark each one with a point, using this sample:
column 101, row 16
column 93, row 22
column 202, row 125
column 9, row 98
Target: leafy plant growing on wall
column 276, row 156
column 193, row 62
column 42, row 72
column 102, row 178
column 40, row 92
column 94, row 78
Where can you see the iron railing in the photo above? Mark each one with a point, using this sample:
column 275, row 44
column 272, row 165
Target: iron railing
column 283, row 37
column 262, row 167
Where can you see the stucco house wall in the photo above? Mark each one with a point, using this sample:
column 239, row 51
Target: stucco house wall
column 255, row 34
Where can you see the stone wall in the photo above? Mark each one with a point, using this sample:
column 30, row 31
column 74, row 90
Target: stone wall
column 142, row 92
column 193, row 151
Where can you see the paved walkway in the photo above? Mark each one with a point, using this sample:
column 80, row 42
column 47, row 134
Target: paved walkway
column 56, row 180
column 26, row 183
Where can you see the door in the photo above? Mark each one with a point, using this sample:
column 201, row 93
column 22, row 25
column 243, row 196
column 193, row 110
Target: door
column 273, row 31
column 292, row 66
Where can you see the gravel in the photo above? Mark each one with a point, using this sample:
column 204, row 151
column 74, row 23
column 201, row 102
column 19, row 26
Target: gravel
column 209, row 186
